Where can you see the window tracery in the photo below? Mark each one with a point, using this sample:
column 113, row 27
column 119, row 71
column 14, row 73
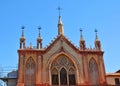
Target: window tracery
column 94, row 77
column 30, row 72
column 62, row 62
column 63, row 71
column 55, row 77
column 72, row 77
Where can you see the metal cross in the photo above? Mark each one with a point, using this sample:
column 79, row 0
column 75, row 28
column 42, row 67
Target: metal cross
column 59, row 10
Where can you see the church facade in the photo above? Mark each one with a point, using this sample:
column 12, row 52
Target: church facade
column 61, row 63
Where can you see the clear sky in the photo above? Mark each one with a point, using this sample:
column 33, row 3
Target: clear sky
column 104, row 15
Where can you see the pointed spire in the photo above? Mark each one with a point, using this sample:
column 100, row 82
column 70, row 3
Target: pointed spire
column 82, row 41
column 80, row 33
column 39, row 39
column 22, row 39
column 60, row 25
column 97, row 41
column 39, row 28
column 96, row 38
column 23, row 31
column 81, row 36
column 59, row 20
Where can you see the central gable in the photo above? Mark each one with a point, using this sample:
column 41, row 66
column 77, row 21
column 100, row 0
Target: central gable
column 61, row 44
column 61, row 41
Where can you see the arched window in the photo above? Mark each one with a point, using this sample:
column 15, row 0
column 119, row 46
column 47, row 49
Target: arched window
column 30, row 73
column 94, row 77
column 63, row 72
column 72, row 80
column 55, row 80
column 63, row 77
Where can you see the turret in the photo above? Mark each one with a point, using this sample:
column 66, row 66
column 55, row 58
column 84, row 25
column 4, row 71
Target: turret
column 82, row 41
column 22, row 39
column 97, row 42
column 39, row 40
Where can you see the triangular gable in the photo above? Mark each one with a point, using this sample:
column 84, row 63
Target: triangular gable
column 65, row 40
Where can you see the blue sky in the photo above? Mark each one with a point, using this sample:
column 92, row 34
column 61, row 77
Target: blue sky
column 104, row 15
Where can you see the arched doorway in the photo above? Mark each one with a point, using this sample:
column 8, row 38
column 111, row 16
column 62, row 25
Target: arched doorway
column 63, row 72
column 30, row 72
column 94, row 76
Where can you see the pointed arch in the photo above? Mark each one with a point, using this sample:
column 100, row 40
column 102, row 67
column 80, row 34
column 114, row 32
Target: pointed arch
column 55, row 80
column 94, row 74
column 30, row 72
column 63, row 76
column 55, row 57
column 64, row 69
column 72, row 80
